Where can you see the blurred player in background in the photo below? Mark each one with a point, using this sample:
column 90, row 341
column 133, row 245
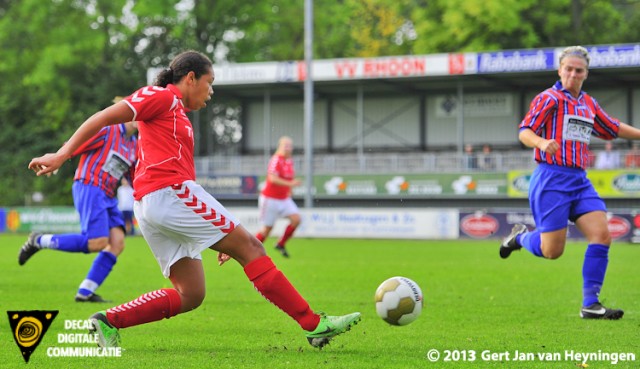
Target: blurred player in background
column 559, row 125
column 275, row 199
column 125, row 204
column 177, row 217
column 105, row 158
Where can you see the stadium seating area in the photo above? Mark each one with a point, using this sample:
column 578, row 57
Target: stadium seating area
column 368, row 163
column 374, row 163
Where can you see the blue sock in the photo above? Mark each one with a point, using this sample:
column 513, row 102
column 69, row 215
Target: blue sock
column 69, row 242
column 99, row 271
column 596, row 259
column 531, row 241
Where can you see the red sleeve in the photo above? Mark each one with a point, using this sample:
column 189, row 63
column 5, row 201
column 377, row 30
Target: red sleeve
column 274, row 166
column 541, row 106
column 604, row 127
column 151, row 101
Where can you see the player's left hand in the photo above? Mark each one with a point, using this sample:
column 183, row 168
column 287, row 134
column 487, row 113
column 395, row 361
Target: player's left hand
column 223, row 258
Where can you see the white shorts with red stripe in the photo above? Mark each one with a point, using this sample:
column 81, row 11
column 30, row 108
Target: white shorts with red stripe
column 181, row 221
column 271, row 209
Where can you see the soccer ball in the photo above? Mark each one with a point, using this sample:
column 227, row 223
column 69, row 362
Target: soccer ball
column 399, row 301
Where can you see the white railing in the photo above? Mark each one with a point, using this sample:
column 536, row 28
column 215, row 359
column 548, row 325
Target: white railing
column 370, row 163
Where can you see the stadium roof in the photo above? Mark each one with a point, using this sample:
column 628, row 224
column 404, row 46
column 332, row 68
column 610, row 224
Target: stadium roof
column 611, row 65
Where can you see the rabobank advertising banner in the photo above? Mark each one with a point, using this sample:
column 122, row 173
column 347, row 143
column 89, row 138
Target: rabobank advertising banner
column 611, row 56
column 516, row 61
column 532, row 60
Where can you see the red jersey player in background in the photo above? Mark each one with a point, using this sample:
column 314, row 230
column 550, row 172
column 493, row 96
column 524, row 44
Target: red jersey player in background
column 177, row 217
column 275, row 199
column 104, row 159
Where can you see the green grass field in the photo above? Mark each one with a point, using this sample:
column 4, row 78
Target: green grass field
column 474, row 303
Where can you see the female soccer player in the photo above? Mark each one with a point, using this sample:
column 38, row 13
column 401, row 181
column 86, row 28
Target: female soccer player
column 275, row 199
column 559, row 126
column 104, row 159
column 176, row 216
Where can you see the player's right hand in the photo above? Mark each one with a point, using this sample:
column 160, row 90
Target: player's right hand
column 549, row 146
column 47, row 164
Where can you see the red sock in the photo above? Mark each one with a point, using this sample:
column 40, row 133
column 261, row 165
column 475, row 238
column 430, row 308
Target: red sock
column 286, row 235
column 276, row 288
column 147, row 308
column 260, row 237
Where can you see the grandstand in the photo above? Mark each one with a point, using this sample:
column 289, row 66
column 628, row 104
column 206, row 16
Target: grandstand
column 404, row 115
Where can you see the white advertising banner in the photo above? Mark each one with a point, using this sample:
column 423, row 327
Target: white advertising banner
column 365, row 223
column 475, row 105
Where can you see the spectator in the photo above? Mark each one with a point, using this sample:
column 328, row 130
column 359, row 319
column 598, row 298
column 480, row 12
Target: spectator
column 486, row 159
column 469, row 159
column 632, row 159
column 609, row 158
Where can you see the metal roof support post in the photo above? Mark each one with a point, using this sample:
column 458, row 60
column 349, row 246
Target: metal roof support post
column 308, row 103
column 360, row 127
column 266, row 111
column 460, row 119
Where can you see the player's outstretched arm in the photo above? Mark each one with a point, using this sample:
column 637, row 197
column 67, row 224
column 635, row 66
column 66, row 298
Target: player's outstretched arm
column 48, row 163
column 628, row 132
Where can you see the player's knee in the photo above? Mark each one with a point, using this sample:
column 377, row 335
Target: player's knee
column 115, row 249
column 255, row 247
column 603, row 238
column 552, row 252
column 192, row 299
column 97, row 244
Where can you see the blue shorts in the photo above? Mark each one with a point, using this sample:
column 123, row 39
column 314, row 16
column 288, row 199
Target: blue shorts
column 98, row 212
column 558, row 194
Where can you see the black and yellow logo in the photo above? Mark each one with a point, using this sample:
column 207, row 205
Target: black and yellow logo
column 29, row 327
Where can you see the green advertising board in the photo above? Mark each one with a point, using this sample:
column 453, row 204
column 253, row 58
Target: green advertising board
column 62, row 219
column 418, row 185
column 608, row 183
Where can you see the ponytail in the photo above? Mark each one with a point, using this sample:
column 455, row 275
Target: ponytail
column 164, row 78
column 181, row 65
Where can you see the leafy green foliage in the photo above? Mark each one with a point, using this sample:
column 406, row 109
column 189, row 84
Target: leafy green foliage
column 62, row 60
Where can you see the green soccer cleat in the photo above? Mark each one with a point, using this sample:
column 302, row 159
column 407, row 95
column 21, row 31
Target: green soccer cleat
column 331, row 326
column 108, row 335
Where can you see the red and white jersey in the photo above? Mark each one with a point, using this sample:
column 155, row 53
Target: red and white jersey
column 556, row 115
column 281, row 167
column 165, row 139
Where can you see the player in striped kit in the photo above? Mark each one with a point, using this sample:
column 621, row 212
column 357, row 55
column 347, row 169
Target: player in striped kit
column 104, row 160
column 559, row 126
column 177, row 217
column 275, row 199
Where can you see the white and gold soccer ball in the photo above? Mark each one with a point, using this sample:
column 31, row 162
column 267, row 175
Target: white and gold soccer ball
column 399, row 301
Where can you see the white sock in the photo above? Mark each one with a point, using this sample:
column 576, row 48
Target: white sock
column 45, row 241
